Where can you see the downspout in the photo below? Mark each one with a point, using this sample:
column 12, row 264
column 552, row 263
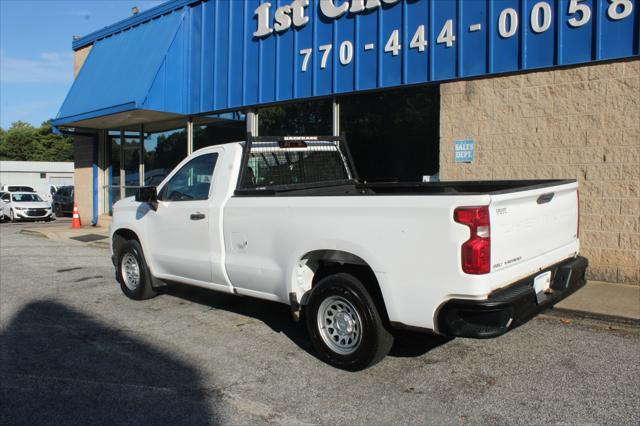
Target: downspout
column 94, row 220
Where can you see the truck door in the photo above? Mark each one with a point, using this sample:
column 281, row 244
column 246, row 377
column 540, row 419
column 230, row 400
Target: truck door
column 178, row 231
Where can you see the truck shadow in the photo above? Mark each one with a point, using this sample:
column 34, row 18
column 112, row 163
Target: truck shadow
column 60, row 366
column 410, row 344
column 277, row 316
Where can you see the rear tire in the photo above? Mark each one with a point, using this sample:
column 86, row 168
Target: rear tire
column 344, row 324
column 132, row 272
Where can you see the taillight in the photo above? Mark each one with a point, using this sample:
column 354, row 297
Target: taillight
column 476, row 251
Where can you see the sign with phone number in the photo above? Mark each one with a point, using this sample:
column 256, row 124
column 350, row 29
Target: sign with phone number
column 346, row 45
column 229, row 55
column 540, row 19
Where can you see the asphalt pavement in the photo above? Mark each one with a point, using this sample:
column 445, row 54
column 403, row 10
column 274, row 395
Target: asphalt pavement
column 73, row 349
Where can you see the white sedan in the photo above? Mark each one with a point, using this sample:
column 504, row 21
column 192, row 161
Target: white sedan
column 25, row 206
column 1, row 207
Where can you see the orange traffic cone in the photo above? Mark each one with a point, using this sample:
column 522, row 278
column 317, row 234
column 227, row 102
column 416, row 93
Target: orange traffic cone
column 75, row 222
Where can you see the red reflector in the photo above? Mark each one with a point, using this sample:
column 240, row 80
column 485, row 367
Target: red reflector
column 476, row 251
column 292, row 144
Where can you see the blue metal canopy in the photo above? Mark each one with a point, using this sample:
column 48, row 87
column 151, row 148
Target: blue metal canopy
column 120, row 71
column 189, row 57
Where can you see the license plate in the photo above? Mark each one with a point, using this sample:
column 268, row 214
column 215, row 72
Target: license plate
column 541, row 283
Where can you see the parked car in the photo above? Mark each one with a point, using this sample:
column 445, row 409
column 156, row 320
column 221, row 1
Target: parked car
column 63, row 201
column 45, row 190
column 26, row 206
column 287, row 220
column 2, row 217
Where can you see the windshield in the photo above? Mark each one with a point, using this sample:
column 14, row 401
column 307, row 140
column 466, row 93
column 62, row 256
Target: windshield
column 21, row 198
column 20, row 189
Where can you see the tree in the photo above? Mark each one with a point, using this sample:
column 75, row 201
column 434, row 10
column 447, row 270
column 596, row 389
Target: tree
column 17, row 139
column 23, row 142
column 3, row 144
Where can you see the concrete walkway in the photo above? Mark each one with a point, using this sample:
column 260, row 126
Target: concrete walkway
column 604, row 299
column 63, row 232
column 596, row 299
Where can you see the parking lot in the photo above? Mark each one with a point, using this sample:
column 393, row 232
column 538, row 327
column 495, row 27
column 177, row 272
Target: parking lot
column 73, row 349
column 66, row 219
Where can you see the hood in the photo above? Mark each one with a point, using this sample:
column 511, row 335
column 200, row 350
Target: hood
column 126, row 201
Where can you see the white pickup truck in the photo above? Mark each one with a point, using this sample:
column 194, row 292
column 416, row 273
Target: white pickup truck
column 287, row 219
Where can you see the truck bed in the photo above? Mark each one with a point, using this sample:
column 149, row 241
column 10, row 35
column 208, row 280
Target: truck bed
column 354, row 188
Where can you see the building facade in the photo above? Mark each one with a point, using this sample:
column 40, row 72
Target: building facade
column 37, row 174
column 423, row 89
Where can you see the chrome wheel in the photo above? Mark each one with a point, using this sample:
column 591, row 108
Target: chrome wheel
column 340, row 325
column 130, row 271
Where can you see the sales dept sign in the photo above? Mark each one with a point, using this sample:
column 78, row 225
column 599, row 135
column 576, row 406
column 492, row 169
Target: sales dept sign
column 463, row 151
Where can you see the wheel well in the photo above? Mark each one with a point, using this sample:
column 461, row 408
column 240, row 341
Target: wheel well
column 121, row 236
column 315, row 266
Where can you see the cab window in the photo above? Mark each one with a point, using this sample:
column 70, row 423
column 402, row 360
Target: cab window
column 192, row 181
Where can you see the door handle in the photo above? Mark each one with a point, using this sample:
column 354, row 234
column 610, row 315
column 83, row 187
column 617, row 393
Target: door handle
column 197, row 216
column 545, row 198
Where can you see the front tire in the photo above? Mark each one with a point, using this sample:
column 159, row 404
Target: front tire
column 344, row 324
column 12, row 217
column 132, row 272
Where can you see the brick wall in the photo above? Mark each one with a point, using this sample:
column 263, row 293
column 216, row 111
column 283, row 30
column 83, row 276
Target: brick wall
column 581, row 123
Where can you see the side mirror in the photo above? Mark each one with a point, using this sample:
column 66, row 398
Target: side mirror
column 149, row 195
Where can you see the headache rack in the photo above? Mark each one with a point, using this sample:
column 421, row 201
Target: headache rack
column 283, row 163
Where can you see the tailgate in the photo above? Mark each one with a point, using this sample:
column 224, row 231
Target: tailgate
column 530, row 223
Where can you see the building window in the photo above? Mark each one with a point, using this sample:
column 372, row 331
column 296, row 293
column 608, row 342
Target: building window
column 43, row 175
column 114, row 144
column 301, row 118
column 219, row 129
column 163, row 151
column 393, row 135
column 131, row 162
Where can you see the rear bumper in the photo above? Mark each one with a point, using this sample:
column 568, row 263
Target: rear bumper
column 509, row 307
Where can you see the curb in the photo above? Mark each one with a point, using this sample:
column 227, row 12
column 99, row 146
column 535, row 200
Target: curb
column 572, row 313
column 99, row 244
column 96, row 244
column 34, row 233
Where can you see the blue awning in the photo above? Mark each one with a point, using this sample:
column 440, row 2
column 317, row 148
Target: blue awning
column 119, row 74
column 194, row 57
